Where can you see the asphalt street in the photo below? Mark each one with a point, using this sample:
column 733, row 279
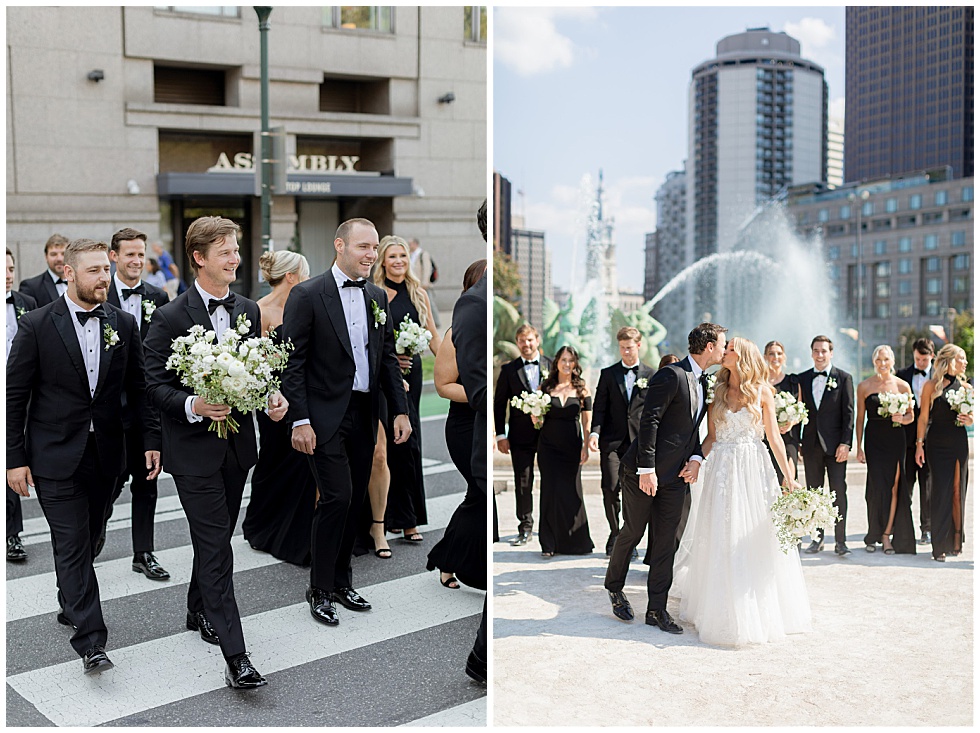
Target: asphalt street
column 399, row 664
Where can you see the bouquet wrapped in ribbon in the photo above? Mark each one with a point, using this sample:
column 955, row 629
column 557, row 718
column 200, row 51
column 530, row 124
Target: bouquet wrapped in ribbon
column 789, row 410
column 894, row 405
column 411, row 339
column 802, row 512
column 229, row 371
column 961, row 400
column 535, row 404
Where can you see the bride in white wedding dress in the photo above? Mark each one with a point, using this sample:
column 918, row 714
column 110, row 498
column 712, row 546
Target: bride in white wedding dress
column 734, row 582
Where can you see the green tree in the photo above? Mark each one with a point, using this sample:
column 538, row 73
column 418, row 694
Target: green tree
column 506, row 279
column 963, row 337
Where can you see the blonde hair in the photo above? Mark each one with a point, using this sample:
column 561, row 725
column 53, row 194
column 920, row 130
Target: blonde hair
column 276, row 265
column 940, row 369
column 886, row 348
column 753, row 377
column 414, row 287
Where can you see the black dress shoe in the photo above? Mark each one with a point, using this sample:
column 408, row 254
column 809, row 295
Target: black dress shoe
column 621, row 606
column 476, row 668
column 349, row 598
column 522, row 539
column 144, row 562
column 15, row 549
column 662, row 619
column 199, row 622
column 63, row 619
column 925, row 539
column 321, row 606
column 241, row 675
column 95, row 661
column 814, row 547
column 841, row 549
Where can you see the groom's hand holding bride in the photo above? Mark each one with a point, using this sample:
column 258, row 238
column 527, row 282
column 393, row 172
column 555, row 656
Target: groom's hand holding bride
column 690, row 472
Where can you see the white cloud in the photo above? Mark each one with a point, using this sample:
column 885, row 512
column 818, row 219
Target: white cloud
column 814, row 36
column 528, row 41
column 836, row 108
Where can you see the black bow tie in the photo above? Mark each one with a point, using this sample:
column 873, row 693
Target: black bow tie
column 703, row 379
column 914, row 371
column 354, row 284
column 228, row 304
column 10, row 298
column 821, row 374
column 529, row 363
column 59, row 281
column 635, row 369
column 139, row 290
column 96, row 312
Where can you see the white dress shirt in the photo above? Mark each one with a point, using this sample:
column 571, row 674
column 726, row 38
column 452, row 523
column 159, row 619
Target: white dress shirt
column 630, row 378
column 11, row 325
column 533, row 371
column 356, row 315
column 220, row 320
column 820, row 385
column 917, row 383
column 90, row 342
column 133, row 304
column 62, row 288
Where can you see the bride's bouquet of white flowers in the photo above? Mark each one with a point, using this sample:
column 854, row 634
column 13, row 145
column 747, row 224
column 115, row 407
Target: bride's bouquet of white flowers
column 894, row 405
column 536, row 404
column 411, row 339
column 789, row 410
column 229, row 371
column 961, row 400
column 802, row 512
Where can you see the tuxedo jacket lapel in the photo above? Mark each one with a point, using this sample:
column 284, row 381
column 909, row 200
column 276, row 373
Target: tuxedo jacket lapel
column 196, row 310
column 621, row 382
column 114, row 294
column 62, row 321
column 522, row 374
column 49, row 287
column 335, row 311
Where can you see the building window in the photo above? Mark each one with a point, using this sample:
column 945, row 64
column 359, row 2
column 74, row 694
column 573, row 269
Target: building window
column 823, row 215
column 941, row 198
column 957, row 239
column 931, row 264
column 882, row 289
column 475, row 31
column 934, row 285
column 904, row 266
column 904, row 287
column 966, row 193
column 931, row 241
column 881, row 247
column 961, row 262
column 833, row 253
column 883, row 269
column 178, row 85
column 961, row 285
column 845, row 212
column 905, row 244
column 881, row 311
column 915, row 201
column 905, row 310
column 868, row 208
column 854, row 251
column 223, row 11
column 932, row 217
column 880, row 329
column 834, row 272
column 359, row 17
column 931, row 307
column 891, row 205
column 904, row 222
column 354, row 95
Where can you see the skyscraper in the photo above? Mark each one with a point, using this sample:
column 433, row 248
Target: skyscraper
column 669, row 241
column 909, row 91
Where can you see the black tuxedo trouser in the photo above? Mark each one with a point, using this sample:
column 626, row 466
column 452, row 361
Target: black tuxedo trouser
column 609, row 466
column 816, row 464
column 915, row 474
column 74, row 509
column 15, row 513
column 661, row 513
column 144, row 492
column 341, row 467
column 523, row 462
column 212, row 504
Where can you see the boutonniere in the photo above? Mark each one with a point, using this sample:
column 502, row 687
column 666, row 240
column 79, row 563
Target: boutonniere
column 544, row 373
column 148, row 307
column 21, row 311
column 110, row 337
column 831, row 383
column 642, row 383
column 243, row 325
column 380, row 317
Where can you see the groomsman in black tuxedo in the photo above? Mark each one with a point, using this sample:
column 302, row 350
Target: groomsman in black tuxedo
column 127, row 292
column 50, row 284
column 343, row 361
column 18, row 305
column 68, row 367
column 523, row 374
column 917, row 374
column 828, row 393
column 209, row 471
column 616, row 419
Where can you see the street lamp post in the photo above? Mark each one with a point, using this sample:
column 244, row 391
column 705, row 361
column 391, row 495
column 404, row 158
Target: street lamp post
column 860, row 277
column 264, row 169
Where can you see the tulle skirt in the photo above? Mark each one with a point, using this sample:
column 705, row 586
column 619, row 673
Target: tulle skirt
column 734, row 582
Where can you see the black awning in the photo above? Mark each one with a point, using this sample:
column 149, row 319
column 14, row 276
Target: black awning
column 243, row 184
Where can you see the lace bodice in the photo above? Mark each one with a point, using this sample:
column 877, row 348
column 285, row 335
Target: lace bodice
column 739, row 427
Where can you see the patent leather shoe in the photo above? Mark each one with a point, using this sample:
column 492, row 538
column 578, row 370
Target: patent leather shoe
column 621, row 606
column 814, row 548
column 146, row 563
column 199, row 622
column 95, row 661
column 841, row 549
column 663, row 620
column 321, row 606
column 241, row 675
column 15, row 549
column 521, row 540
column 351, row 599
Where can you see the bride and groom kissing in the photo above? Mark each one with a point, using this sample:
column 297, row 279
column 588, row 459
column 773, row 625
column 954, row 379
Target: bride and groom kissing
column 734, row 582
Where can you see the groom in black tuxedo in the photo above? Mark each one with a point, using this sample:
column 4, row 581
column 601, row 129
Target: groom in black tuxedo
column 616, row 419
column 343, row 360
column 209, row 471
column 69, row 366
column 916, row 375
column 828, row 393
column 654, row 470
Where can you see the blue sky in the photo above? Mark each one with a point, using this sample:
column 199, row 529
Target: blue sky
column 580, row 88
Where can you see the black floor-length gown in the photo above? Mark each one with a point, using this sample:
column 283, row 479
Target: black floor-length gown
column 564, row 525
column 946, row 447
column 791, row 438
column 462, row 550
column 279, row 518
column 884, row 451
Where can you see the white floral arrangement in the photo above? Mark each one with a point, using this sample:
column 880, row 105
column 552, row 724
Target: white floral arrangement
column 642, row 383
column 148, row 307
column 110, row 337
column 831, row 384
column 894, row 405
column 961, row 400
column 380, row 315
column 802, row 512
column 789, row 410
column 21, row 312
column 710, row 388
column 229, row 371
column 411, row 339
column 536, row 404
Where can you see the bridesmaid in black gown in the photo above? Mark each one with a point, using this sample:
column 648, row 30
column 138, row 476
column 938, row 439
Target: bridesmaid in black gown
column 775, row 354
column 564, row 525
column 279, row 518
column 947, row 449
column 881, row 445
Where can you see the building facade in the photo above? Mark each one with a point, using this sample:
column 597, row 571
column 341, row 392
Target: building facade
column 835, row 152
column 909, row 90
column 146, row 116
column 533, row 261
column 675, row 310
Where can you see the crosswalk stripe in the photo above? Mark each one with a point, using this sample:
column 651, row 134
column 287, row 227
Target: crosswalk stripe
column 35, row 594
column 469, row 714
column 182, row 666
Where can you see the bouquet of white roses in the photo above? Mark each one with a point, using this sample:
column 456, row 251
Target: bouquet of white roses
column 894, row 405
column 789, row 410
column 802, row 512
column 411, row 339
column 961, row 400
column 229, row 371
column 535, row 404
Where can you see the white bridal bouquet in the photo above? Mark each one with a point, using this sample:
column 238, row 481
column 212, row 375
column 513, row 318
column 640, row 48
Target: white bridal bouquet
column 229, row 371
column 535, row 404
column 802, row 512
column 961, row 400
column 789, row 410
column 411, row 339
column 894, row 405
